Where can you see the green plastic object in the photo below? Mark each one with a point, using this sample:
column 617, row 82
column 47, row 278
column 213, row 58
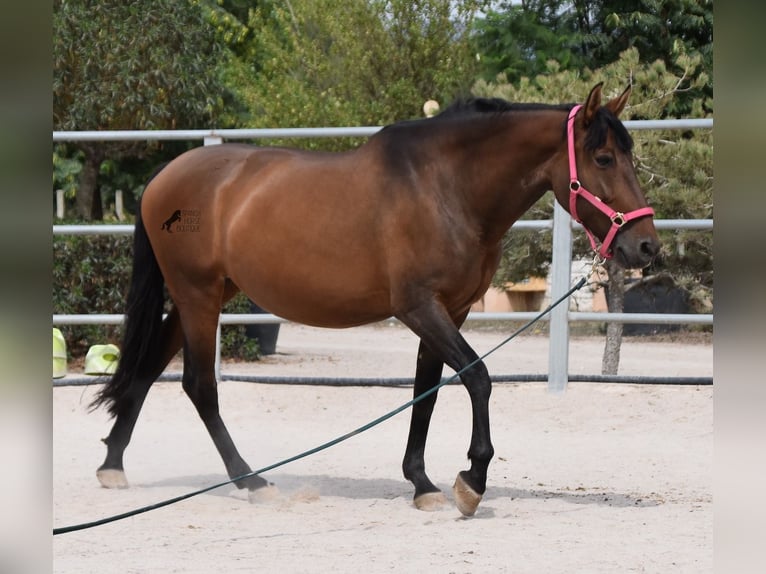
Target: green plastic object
column 59, row 354
column 102, row 359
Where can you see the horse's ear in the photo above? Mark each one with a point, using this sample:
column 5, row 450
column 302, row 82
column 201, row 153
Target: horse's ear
column 592, row 104
column 616, row 105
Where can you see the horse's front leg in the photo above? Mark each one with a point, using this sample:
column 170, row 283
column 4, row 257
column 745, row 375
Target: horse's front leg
column 440, row 334
column 470, row 485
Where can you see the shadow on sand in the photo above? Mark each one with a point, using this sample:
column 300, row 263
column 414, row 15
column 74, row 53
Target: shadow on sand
column 383, row 488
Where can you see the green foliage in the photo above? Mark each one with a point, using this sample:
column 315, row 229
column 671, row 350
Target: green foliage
column 128, row 174
column 66, row 170
column 131, row 65
column 659, row 30
column 235, row 344
column 91, row 274
column 352, row 62
column 517, row 39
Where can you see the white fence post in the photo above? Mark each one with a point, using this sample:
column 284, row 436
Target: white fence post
column 60, row 203
column 561, row 276
column 216, row 140
column 118, row 205
column 218, row 350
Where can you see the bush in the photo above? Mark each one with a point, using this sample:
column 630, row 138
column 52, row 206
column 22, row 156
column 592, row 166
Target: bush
column 91, row 274
column 235, row 344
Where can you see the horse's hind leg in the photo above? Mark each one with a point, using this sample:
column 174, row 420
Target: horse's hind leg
column 428, row 374
column 111, row 473
column 200, row 321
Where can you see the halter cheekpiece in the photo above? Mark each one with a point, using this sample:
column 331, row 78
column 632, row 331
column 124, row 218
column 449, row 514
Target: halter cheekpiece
column 576, row 190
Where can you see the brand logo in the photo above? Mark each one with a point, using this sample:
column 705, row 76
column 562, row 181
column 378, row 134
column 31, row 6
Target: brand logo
column 183, row 220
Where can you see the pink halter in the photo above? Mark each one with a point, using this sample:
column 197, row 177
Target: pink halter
column 577, row 190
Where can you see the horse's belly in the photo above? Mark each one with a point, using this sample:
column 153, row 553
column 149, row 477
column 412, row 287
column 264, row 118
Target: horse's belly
column 308, row 253
column 320, row 297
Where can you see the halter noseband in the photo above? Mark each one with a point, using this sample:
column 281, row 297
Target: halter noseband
column 577, row 190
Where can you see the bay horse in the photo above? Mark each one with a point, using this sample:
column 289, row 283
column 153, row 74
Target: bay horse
column 409, row 224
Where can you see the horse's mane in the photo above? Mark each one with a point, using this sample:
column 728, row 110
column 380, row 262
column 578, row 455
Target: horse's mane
column 597, row 131
column 470, row 106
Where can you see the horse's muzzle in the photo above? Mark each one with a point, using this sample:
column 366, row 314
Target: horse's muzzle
column 638, row 254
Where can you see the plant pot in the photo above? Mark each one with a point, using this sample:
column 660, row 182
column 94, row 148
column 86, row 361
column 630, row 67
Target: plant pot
column 265, row 333
column 653, row 294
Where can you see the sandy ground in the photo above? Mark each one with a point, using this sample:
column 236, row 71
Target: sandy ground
column 603, row 478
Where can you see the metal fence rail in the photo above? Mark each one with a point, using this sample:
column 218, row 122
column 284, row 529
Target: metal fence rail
column 561, row 226
column 273, row 133
column 127, row 229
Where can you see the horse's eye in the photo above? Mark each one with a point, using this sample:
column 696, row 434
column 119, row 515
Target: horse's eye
column 604, row 160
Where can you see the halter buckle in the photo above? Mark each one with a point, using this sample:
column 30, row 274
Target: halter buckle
column 618, row 219
column 574, row 185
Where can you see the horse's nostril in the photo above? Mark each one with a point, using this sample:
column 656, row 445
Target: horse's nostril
column 650, row 247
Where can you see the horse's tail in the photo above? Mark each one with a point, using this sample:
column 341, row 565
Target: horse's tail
column 141, row 347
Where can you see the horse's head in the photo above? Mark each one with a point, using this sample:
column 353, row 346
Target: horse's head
column 601, row 190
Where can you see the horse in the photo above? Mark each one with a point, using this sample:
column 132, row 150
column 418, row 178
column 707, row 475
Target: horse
column 407, row 225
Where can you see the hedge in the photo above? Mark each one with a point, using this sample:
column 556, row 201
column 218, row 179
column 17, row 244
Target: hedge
column 91, row 274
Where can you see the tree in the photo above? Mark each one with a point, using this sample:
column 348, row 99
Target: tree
column 517, row 39
column 130, row 65
column 352, row 62
column 660, row 31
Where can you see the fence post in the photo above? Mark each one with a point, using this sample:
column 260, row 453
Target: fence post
column 118, row 205
column 60, row 203
column 218, row 350
column 216, row 140
column 561, row 276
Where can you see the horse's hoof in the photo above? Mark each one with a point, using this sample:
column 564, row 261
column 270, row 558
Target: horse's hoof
column 112, row 478
column 430, row 501
column 263, row 495
column 252, row 482
column 466, row 498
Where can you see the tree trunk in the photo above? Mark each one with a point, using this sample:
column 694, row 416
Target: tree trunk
column 88, row 198
column 615, row 298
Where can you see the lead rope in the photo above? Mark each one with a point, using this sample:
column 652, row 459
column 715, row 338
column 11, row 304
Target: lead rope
column 579, row 285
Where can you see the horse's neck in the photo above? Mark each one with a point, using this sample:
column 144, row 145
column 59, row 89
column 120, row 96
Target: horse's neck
column 505, row 165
